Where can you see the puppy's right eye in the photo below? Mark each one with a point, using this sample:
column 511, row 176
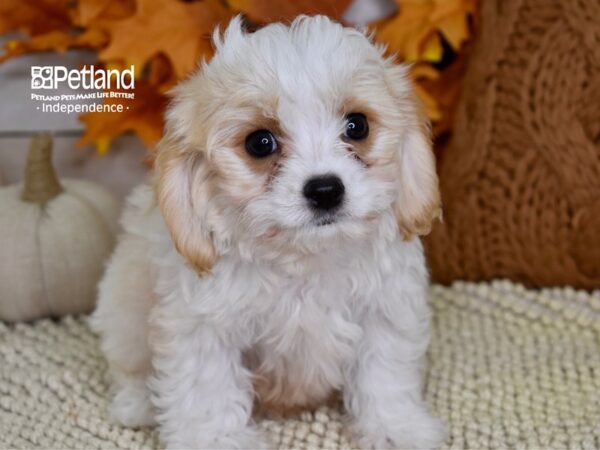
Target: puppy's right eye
column 261, row 144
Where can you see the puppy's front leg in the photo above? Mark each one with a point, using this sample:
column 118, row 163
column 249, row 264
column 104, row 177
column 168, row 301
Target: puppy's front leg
column 201, row 391
column 383, row 391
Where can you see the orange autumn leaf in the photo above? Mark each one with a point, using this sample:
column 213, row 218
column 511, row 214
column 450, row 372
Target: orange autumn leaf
column 455, row 29
column 58, row 25
column 163, row 39
column 34, row 17
column 265, row 11
column 415, row 34
column 405, row 33
column 94, row 12
column 410, row 31
column 54, row 40
column 177, row 29
column 143, row 116
column 160, row 73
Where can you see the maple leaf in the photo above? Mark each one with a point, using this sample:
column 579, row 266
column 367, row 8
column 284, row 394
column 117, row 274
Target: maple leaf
column 413, row 32
column 165, row 38
column 94, row 13
column 34, row 17
column 179, row 30
column 265, row 11
column 160, row 73
column 143, row 116
column 57, row 25
column 54, row 40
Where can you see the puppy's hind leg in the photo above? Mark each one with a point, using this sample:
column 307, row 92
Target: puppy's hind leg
column 121, row 318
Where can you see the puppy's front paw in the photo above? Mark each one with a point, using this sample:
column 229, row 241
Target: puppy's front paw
column 419, row 432
column 243, row 439
column 132, row 407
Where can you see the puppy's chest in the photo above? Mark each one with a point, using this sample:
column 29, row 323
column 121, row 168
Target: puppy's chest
column 301, row 315
column 306, row 339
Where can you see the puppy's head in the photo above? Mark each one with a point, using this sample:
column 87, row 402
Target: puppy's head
column 293, row 137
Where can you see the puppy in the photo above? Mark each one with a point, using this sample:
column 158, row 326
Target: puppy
column 275, row 258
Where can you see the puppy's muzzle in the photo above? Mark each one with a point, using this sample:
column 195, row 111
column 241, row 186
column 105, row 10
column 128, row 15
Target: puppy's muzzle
column 324, row 192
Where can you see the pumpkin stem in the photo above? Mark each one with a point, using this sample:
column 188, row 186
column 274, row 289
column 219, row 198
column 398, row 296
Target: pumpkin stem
column 41, row 183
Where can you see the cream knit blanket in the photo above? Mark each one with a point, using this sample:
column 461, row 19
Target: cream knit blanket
column 508, row 368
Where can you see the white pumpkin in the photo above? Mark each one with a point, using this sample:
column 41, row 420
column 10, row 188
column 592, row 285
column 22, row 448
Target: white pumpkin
column 54, row 238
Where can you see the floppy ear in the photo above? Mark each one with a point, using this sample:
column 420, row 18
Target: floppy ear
column 184, row 179
column 184, row 190
column 418, row 201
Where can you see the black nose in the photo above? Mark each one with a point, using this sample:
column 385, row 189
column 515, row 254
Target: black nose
column 324, row 192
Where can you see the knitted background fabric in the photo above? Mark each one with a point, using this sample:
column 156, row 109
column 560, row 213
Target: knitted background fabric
column 508, row 368
column 520, row 178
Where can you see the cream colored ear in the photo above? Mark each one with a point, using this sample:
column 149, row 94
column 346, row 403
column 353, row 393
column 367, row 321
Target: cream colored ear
column 184, row 189
column 418, row 202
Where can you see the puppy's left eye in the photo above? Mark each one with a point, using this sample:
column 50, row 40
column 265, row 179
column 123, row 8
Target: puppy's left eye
column 357, row 127
column 261, row 144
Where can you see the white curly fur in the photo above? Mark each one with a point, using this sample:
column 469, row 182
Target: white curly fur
column 223, row 277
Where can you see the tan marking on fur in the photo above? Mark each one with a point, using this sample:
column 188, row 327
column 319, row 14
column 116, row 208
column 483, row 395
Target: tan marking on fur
column 180, row 192
column 420, row 221
column 259, row 121
column 138, row 372
column 422, row 205
column 362, row 147
column 280, row 399
column 422, row 224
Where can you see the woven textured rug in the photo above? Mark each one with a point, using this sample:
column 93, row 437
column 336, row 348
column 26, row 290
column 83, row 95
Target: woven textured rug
column 508, row 368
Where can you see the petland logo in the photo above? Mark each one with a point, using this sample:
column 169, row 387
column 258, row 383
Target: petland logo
column 51, row 77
